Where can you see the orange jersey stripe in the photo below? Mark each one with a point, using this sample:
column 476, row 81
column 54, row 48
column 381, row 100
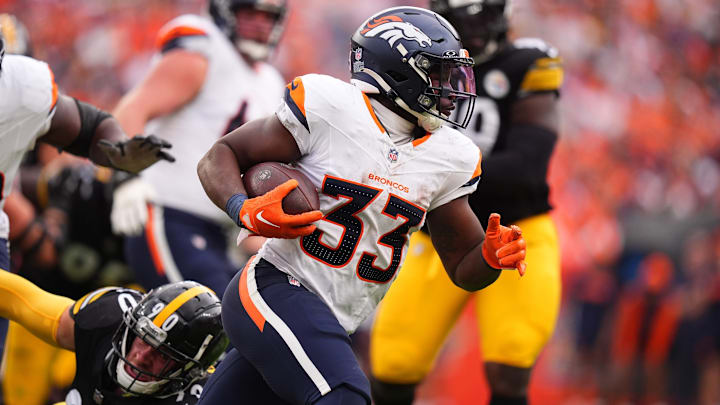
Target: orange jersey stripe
column 297, row 93
column 419, row 141
column 372, row 113
column 247, row 303
column 478, row 169
column 176, row 32
column 152, row 244
column 54, row 89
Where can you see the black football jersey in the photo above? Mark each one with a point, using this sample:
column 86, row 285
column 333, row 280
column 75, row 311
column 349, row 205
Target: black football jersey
column 97, row 316
column 523, row 68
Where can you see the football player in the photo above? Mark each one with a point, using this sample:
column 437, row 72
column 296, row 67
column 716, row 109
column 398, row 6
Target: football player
column 32, row 109
column 384, row 165
column 130, row 348
column 209, row 78
column 515, row 125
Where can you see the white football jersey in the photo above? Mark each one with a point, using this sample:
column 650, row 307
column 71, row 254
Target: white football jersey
column 233, row 92
column 373, row 193
column 28, row 94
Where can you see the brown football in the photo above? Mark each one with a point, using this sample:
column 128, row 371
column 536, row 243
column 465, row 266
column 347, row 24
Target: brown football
column 263, row 177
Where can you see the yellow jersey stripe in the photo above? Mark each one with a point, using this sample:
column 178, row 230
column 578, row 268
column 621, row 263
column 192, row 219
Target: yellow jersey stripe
column 89, row 298
column 178, row 302
column 546, row 74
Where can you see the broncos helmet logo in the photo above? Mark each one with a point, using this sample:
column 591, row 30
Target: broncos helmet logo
column 391, row 28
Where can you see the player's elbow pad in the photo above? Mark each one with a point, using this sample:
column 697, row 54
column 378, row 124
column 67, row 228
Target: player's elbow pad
column 35, row 309
column 90, row 119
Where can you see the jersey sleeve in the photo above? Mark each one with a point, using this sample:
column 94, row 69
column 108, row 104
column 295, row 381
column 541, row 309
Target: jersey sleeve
column 186, row 32
column 103, row 307
column 302, row 109
column 535, row 68
column 37, row 90
column 463, row 180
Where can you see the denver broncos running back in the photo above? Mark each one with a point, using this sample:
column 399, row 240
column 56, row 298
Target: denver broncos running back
column 515, row 125
column 384, row 164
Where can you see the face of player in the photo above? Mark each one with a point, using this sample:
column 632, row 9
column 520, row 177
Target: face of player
column 255, row 25
column 148, row 359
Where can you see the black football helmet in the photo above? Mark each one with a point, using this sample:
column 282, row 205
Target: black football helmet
column 483, row 24
column 223, row 13
column 414, row 57
column 181, row 321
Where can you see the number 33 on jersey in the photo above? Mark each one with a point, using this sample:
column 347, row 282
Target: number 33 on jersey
column 373, row 193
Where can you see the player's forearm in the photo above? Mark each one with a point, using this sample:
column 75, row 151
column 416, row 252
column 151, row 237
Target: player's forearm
column 473, row 273
column 111, row 131
column 220, row 174
column 131, row 116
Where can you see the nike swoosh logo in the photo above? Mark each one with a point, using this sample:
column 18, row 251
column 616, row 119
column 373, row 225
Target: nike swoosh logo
column 260, row 217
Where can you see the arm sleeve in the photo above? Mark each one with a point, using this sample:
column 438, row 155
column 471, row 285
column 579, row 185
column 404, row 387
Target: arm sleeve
column 35, row 309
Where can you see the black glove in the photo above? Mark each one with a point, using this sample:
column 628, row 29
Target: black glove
column 136, row 154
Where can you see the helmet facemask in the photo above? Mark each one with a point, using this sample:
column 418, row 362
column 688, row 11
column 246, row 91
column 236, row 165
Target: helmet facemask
column 451, row 85
column 225, row 14
column 172, row 371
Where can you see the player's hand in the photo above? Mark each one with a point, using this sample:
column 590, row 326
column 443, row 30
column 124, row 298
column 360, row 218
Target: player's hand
column 504, row 247
column 264, row 215
column 136, row 154
column 129, row 209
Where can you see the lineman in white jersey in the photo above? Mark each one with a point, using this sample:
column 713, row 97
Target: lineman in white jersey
column 384, row 165
column 208, row 79
column 31, row 110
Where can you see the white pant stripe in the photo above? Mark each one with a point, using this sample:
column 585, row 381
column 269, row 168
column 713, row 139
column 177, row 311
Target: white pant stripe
column 171, row 270
column 287, row 335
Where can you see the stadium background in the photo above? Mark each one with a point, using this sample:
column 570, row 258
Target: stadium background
column 635, row 177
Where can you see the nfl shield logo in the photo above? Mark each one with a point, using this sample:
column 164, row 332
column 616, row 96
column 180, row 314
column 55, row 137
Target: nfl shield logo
column 393, row 155
column 358, row 53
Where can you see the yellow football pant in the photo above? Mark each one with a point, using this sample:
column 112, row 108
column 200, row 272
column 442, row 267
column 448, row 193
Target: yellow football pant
column 32, row 367
column 516, row 315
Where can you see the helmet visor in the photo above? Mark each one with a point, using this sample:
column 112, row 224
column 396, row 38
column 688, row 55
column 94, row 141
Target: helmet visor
column 451, row 87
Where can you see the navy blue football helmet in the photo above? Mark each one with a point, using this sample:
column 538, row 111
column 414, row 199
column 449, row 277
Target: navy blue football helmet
column 414, row 57
column 483, row 24
column 223, row 13
column 182, row 323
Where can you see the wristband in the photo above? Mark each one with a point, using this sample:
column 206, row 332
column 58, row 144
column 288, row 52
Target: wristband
column 233, row 206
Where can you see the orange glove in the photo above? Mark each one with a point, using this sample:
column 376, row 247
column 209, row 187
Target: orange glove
column 504, row 247
column 264, row 215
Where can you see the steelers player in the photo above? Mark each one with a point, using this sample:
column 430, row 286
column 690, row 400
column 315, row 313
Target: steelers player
column 515, row 124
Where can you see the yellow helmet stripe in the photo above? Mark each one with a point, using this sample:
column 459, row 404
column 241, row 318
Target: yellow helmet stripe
column 178, row 302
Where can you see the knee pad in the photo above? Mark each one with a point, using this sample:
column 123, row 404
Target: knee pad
column 384, row 393
column 343, row 395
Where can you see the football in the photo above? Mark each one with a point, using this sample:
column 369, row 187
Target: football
column 263, row 177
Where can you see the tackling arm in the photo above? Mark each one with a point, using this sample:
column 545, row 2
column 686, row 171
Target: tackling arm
column 86, row 131
column 45, row 315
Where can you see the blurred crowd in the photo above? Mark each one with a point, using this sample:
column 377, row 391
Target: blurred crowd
column 635, row 178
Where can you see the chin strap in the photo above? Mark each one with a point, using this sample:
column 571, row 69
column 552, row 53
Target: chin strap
column 427, row 121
